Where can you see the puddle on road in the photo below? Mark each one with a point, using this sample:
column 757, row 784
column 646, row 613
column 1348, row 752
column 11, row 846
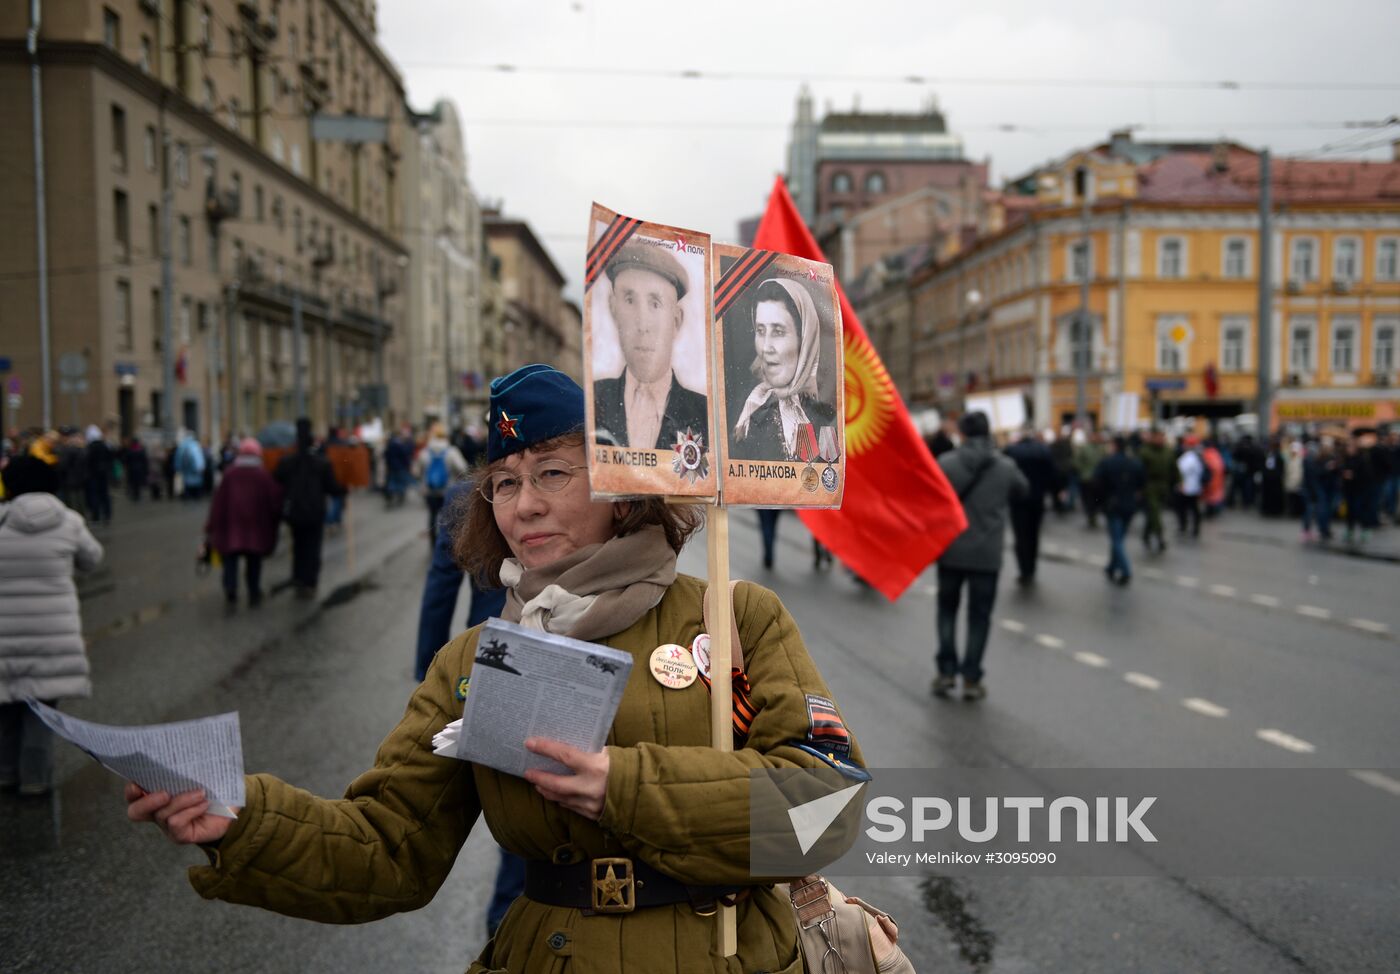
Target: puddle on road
column 952, row 907
column 348, row 592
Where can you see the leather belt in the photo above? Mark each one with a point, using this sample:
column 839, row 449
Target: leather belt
column 614, row 885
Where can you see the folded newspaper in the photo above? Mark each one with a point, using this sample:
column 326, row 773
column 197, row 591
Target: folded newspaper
column 528, row 683
column 205, row 753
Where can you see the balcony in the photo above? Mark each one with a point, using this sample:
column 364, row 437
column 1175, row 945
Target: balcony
column 220, row 205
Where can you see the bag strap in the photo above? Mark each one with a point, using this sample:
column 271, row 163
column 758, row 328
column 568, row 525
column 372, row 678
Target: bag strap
column 976, row 479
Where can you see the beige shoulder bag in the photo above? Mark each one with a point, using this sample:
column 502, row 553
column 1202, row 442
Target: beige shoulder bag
column 838, row 934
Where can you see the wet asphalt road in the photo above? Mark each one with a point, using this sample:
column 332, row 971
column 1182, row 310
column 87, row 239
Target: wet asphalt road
column 318, row 686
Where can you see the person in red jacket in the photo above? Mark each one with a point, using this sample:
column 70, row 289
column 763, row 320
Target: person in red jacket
column 243, row 520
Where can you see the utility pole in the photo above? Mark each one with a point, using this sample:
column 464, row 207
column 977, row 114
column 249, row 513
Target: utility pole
column 1083, row 335
column 1264, row 326
column 41, row 217
column 298, row 385
column 235, row 387
column 167, row 290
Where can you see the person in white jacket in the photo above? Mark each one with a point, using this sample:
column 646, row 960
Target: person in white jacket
column 41, row 635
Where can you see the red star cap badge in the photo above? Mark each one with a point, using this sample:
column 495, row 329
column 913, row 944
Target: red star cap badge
column 680, row 245
column 506, row 426
column 812, row 276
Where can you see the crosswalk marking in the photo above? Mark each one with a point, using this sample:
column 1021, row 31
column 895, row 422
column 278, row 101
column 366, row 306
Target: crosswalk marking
column 1286, row 741
column 1268, row 601
column 1187, row 581
column 1370, row 626
column 1142, row 680
column 1377, row 780
column 1205, row 707
column 1313, row 611
column 1053, row 642
column 1011, row 625
column 1224, row 591
column 1091, row 659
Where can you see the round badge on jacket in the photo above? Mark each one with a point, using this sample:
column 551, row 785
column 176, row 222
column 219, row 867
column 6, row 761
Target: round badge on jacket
column 700, row 650
column 672, row 666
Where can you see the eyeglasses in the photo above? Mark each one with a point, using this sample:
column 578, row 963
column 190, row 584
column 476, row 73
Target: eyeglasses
column 550, row 476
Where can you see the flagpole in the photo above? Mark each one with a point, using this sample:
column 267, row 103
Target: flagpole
column 721, row 693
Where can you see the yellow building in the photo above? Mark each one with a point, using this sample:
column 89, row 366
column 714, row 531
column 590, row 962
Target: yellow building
column 1172, row 249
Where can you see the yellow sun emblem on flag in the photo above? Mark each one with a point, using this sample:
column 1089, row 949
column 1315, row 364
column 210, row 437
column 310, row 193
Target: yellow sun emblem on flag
column 870, row 396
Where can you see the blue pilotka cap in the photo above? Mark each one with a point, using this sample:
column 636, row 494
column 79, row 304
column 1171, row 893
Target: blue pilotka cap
column 530, row 405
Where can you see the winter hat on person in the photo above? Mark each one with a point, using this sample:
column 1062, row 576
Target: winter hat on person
column 93, row 433
column 530, row 405
column 29, row 475
column 249, row 447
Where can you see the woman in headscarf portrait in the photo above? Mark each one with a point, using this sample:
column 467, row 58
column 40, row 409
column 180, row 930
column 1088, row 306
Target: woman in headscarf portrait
column 787, row 353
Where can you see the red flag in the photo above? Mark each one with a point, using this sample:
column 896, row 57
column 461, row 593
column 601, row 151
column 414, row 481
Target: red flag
column 899, row 511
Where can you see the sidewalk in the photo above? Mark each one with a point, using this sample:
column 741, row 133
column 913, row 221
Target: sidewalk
column 160, row 639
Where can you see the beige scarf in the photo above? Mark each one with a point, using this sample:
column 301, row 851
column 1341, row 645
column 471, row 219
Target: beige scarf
column 595, row 592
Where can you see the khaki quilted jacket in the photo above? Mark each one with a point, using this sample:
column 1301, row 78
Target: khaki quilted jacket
column 672, row 801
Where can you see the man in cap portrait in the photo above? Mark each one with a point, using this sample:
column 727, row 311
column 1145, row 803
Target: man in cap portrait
column 646, row 407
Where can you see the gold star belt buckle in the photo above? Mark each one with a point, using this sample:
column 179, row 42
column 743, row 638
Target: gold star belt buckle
column 614, row 889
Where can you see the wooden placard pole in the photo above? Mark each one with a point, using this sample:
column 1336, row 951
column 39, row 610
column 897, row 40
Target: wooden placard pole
column 721, row 655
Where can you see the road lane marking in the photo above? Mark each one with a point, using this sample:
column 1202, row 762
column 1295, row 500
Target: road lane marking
column 1370, row 626
column 1377, row 780
column 1313, row 611
column 1267, row 601
column 1052, row 642
column 1011, row 625
column 1205, row 707
column 1072, row 552
column 1187, row 581
column 1091, row 659
column 1142, row 680
column 1286, row 741
column 1224, row 591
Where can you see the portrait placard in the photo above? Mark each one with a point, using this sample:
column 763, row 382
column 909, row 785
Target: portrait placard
column 646, row 359
column 781, row 379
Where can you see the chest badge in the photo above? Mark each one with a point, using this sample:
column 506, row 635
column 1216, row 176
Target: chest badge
column 700, row 651
column 672, row 666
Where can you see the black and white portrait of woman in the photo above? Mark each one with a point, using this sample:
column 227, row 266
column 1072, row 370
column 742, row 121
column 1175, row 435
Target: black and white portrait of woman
column 788, row 397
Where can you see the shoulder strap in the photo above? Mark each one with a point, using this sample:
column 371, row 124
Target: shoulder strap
column 976, row 479
column 736, row 647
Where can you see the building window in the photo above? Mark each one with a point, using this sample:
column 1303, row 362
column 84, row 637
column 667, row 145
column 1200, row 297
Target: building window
column 258, row 211
column 124, row 338
column 841, row 183
column 237, row 257
column 1346, row 259
column 292, row 49
column 206, row 30
column 296, row 159
column 233, row 114
column 212, row 242
column 1171, row 257
column 118, row 138
column 1234, row 344
column 111, row 29
column 121, row 223
column 145, row 61
column 1344, row 345
column 279, row 147
column 1173, row 339
column 1236, row 258
column 1383, row 348
column 182, row 163
column 186, row 249
column 278, row 214
column 186, row 307
column 148, row 148
column 1300, row 345
column 875, row 182
column 1081, row 260
column 157, row 319
column 153, row 229
column 1302, row 264
column 296, row 227
column 1388, row 259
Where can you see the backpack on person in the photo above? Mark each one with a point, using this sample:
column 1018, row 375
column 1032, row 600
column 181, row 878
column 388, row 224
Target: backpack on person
column 437, row 475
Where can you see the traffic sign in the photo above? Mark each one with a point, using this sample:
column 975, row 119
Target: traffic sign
column 4, row 363
column 13, row 386
column 72, row 365
column 1166, row 385
column 72, row 386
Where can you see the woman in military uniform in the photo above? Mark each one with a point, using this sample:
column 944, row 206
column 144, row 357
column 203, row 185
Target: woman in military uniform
column 628, row 856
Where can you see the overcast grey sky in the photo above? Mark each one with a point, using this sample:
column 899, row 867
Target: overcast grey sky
column 702, row 153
